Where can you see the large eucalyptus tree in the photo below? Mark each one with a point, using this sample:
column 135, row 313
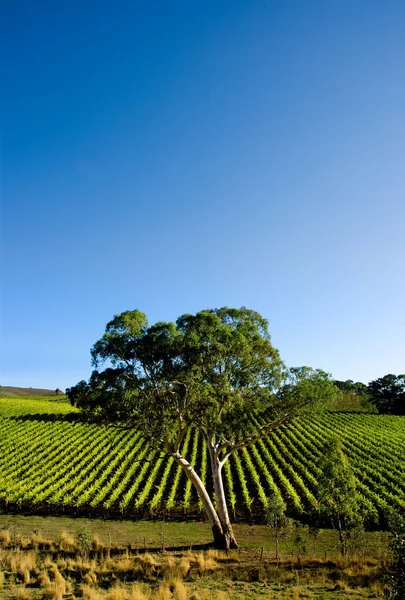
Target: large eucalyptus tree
column 213, row 371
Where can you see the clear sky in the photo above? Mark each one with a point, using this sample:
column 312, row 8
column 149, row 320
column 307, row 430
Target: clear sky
column 173, row 156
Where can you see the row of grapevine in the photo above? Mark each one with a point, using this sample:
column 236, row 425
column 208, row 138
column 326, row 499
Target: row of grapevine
column 50, row 460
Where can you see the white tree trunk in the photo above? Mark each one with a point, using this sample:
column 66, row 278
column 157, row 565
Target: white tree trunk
column 222, row 508
column 215, row 522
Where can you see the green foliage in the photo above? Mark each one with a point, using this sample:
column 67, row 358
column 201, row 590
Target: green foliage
column 277, row 520
column 350, row 386
column 396, row 575
column 275, row 513
column 311, row 389
column 387, row 394
column 214, row 367
column 85, row 540
column 354, row 397
column 337, row 492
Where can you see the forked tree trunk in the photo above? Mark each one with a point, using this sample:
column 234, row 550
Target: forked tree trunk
column 221, row 527
column 222, row 508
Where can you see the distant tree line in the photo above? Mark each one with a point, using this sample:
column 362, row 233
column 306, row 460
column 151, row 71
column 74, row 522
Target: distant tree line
column 386, row 394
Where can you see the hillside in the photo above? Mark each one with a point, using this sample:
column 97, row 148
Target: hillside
column 51, row 462
column 16, row 392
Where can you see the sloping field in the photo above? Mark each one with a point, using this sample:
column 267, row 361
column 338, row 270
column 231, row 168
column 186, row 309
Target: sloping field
column 11, row 391
column 51, row 462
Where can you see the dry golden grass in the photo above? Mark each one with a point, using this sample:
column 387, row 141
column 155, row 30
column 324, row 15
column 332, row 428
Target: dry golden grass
column 378, row 588
column 67, row 542
column 54, row 591
column 26, row 576
column 48, row 563
column 221, row 556
column 174, row 576
column 176, row 568
column 39, row 541
column 43, row 579
column 123, row 565
column 206, row 564
column 20, row 562
column 117, row 592
column 61, row 563
column 5, row 537
column 138, row 592
column 145, row 565
column 163, row 592
column 25, row 543
column 90, row 593
column 178, row 589
column 80, row 563
column 96, row 542
column 90, row 578
column 20, row 593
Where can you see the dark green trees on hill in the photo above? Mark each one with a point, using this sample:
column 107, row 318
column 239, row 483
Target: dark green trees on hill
column 388, row 394
column 354, row 396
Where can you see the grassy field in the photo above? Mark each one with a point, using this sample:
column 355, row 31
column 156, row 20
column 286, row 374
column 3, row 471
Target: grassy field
column 55, row 558
column 52, row 463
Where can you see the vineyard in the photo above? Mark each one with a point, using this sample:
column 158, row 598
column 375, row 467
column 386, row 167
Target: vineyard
column 50, row 461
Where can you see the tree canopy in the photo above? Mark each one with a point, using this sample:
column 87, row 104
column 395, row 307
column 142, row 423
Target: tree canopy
column 216, row 370
column 388, row 394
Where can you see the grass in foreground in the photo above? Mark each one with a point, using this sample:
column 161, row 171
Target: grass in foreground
column 82, row 565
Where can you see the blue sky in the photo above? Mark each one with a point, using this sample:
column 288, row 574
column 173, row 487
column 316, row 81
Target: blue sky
column 174, row 156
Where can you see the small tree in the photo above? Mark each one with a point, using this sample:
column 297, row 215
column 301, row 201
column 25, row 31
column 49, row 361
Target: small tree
column 337, row 494
column 277, row 520
column 213, row 371
column 396, row 575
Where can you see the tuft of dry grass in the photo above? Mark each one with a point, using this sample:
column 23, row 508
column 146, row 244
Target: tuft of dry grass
column 90, row 578
column 96, row 542
column 67, row 542
column 20, row 562
column 39, row 541
column 54, row 591
column 137, row 592
column 145, row 565
column 206, row 564
column 25, row 543
column 43, row 579
column 89, row 593
column 20, row 593
column 80, row 563
column 117, row 592
column 5, row 537
column 26, row 576
column 163, row 592
column 178, row 589
column 48, row 563
column 123, row 565
column 176, row 568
